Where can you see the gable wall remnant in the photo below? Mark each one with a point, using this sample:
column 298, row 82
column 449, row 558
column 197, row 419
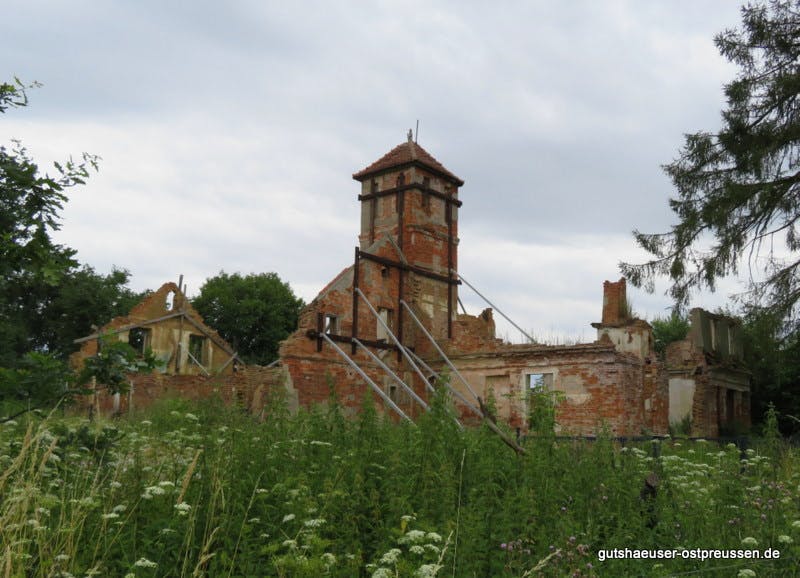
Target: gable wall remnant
column 407, row 255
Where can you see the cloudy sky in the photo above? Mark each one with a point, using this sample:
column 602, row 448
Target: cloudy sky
column 229, row 132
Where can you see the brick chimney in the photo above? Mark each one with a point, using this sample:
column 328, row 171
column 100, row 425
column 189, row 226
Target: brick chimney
column 615, row 302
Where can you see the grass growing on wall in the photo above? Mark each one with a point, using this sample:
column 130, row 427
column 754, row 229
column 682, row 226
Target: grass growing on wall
column 202, row 490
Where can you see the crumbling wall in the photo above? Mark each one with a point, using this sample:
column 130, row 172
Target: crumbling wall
column 249, row 388
column 597, row 386
column 170, row 323
column 707, row 382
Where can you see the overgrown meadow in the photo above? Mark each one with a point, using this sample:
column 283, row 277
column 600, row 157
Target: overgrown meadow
column 188, row 490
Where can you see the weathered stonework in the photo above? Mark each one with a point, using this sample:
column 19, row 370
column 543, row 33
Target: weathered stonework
column 166, row 323
column 617, row 382
column 408, row 254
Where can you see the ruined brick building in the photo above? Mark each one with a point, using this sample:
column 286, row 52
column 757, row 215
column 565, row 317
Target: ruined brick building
column 405, row 269
column 196, row 362
column 389, row 323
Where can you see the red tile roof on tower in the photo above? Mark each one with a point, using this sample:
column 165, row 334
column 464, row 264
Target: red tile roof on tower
column 408, row 153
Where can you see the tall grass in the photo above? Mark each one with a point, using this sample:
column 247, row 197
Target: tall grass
column 204, row 490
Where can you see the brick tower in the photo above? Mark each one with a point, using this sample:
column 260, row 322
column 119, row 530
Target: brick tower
column 409, row 233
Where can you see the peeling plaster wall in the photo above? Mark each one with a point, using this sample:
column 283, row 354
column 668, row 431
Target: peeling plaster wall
column 681, row 398
column 167, row 338
column 600, row 386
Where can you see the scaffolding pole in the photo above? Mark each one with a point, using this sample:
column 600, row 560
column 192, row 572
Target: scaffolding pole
column 372, row 384
column 493, row 306
column 392, row 374
column 454, row 391
column 391, row 334
column 489, row 423
column 439, row 349
column 425, row 366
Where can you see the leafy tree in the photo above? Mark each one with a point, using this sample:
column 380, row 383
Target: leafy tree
column 41, row 380
column 669, row 329
column 739, row 188
column 29, row 206
column 82, row 300
column 773, row 357
column 253, row 313
column 46, row 299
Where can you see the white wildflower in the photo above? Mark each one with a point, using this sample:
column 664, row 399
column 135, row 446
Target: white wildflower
column 390, row 557
column 382, row 573
column 784, row 539
column 62, row 558
column 328, row 559
column 145, row 563
column 749, row 541
column 314, row 523
column 166, row 484
column 119, row 508
column 253, row 520
column 262, row 491
column 417, row 549
column 412, row 537
column 428, row 570
column 146, row 422
column 291, row 544
column 745, row 573
column 288, row 518
column 183, row 508
column 110, row 516
column 115, row 484
column 433, row 537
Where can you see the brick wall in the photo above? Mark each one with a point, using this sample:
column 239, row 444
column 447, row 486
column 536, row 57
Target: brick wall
column 614, row 302
column 247, row 387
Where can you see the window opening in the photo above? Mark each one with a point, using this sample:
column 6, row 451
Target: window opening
column 139, row 339
column 426, row 198
column 197, row 348
column 169, row 302
column 538, row 382
column 387, row 316
column 331, row 324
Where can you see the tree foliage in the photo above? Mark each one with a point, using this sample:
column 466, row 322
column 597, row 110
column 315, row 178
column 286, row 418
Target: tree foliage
column 46, row 298
column 773, row 357
column 253, row 312
column 30, row 203
column 739, row 188
column 667, row 330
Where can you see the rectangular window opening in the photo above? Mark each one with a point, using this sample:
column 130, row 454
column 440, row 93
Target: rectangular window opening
column 197, row 348
column 387, row 316
column 331, row 324
column 538, row 382
column 139, row 339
